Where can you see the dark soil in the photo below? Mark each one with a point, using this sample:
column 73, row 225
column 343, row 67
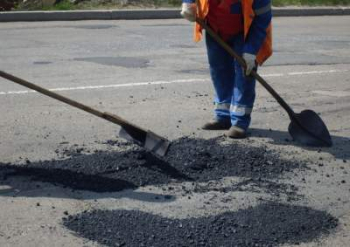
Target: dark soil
column 188, row 159
column 269, row 224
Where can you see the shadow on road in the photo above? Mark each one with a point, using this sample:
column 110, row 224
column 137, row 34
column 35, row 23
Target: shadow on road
column 188, row 160
column 340, row 148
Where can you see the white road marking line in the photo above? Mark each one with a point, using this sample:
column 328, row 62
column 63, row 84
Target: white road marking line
column 107, row 86
column 317, row 72
column 19, row 92
column 333, row 93
column 167, row 82
column 273, row 75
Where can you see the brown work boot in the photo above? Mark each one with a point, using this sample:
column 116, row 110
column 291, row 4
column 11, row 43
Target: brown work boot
column 217, row 125
column 236, row 133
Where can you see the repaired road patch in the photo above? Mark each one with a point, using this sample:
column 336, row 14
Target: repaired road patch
column 269, row 224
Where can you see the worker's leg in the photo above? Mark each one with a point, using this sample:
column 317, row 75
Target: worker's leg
column 243, row 92
column 222, row 74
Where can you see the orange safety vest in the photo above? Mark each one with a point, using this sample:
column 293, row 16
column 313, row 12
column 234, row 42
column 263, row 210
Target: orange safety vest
column 248, row 15
column 222, row 21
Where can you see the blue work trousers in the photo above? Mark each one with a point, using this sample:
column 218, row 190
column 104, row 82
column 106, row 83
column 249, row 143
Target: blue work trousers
column 235, row 92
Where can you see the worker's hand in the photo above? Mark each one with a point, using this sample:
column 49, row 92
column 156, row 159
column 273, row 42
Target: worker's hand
column 250, row 62
column 188, row 11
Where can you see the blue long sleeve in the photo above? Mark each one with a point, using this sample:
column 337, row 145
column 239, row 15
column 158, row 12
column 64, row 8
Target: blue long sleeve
column 188, row 1
column 257, row 32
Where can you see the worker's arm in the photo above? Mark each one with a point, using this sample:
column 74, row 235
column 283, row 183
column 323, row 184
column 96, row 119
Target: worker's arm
column 257, row 32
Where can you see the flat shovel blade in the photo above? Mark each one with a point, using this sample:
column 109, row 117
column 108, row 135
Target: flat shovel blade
column 156, row 144
column 309, row 129
column 125, row 135
column 152, row 142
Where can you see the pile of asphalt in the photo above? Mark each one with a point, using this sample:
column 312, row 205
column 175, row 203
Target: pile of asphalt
column 269, row 224
column 205, row 160
column 188, row 159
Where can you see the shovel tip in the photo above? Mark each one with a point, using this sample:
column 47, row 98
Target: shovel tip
column 156, row 144
column 150, row 141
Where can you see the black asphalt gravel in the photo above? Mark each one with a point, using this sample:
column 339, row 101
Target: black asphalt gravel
column 188, row 159
column 269, row 224
column 191, row 160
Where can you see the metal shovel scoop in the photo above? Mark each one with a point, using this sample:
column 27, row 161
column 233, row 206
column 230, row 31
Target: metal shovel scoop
column 305, row 127
column 144, row 138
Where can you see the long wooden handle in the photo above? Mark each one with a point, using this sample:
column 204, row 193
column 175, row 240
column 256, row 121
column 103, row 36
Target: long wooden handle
column 241, row 61
column 105, row 115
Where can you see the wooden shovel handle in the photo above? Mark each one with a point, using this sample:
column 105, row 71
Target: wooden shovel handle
column 105, row 115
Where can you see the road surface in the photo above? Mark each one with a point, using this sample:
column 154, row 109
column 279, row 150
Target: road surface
column 151, row 73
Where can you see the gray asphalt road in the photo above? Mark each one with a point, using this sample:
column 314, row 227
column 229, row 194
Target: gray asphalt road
column 150, row 72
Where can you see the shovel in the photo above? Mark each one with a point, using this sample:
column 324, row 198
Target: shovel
column 129, row 131
column 306, row 127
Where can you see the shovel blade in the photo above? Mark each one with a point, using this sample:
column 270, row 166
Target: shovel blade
column 148, row 140
column 156, row 144
column 309, row 129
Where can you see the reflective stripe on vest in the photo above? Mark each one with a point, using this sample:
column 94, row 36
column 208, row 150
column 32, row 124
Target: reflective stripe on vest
column 248, row 15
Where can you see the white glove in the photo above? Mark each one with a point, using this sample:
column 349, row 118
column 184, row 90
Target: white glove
column 250, row 62
column 188, row 11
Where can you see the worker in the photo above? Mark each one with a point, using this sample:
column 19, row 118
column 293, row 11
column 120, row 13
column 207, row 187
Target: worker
column 246, row 26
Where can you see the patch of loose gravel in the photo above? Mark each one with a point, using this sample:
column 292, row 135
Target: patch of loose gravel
column 195, row 160
column 269, row 224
